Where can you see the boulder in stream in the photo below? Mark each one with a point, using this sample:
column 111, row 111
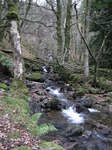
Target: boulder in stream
column 35, row 77
column 81, row 109
column 77, row 130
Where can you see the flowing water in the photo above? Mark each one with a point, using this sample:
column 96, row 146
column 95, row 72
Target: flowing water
column 66, row 119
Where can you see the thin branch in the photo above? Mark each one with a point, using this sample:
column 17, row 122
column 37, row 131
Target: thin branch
column 36, row 21
column 103, row 43
column 82, row 35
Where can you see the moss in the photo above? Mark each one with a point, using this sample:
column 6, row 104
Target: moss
column 49, row 146
column 3, row 86
column 18, row 88
column 81, row 91
column 65, row 74
column 12, row 11
column 15, row 134
column 19, row 109
column 35, row 77
column 36, row 68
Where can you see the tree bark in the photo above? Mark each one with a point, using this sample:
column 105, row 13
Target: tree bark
column 19, row 79
column 59, row 31
column 67, row 30
column 86, row 34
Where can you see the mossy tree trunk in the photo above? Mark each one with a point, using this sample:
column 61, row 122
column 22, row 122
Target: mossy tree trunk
column 67, row 30
column 19, row 77
column 59, row 31
column 1, row 33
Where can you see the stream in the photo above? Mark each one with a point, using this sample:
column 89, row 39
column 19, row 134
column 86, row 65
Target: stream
column 78, row 127
column 88, row 130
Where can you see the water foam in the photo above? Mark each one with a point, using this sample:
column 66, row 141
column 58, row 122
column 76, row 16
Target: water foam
column 73, row 116
column 93, row 110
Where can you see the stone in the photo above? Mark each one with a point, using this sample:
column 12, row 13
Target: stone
column 35, row 77
column 77, row 130
column 81, row 109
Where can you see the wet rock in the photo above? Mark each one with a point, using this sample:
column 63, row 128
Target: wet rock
column 81, row 109
column 77, row 130
column 70, row 146
column 88, row 101
column 55, row 104
column 86, row 134
column 34, row 107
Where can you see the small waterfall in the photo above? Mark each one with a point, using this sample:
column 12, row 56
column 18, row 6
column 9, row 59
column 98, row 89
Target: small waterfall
column 44, row 69
column 73, row 116
column 70, row 112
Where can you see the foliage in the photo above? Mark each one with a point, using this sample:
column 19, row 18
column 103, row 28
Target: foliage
column 6, row 61
column 45, row 128
column 81, row 91
column 19, row 110
column 3, row 86
column 12, row 10
column 50, row 146
column 101, row 24
column 18, row 88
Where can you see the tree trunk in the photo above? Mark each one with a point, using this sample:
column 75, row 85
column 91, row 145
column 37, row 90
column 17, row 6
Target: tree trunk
column 0, row 21
column 18, row 85
column 59, row 31
column 67, row 30
column 86, row 34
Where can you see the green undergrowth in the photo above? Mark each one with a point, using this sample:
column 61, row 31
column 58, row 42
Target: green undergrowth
column 49, row 146
column 18, row 109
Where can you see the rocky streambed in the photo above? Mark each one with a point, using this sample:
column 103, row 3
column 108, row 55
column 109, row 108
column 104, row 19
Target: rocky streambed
column 83, row 123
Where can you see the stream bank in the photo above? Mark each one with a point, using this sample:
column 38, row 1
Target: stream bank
column 83, row 122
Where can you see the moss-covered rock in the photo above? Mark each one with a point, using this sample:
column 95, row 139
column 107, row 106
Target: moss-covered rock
column 35, row 77
column 3, row 86
column 65, row 74
column 49, row 146
column 81, row 91
column 36, row 68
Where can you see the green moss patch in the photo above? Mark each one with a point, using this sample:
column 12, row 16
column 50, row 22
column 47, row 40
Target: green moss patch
column 35, row 77
column 49, row 146
column 18, row 88
column 81, row 91
column 19, row 109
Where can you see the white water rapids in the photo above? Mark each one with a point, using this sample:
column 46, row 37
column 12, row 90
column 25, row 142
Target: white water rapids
column 70, row 113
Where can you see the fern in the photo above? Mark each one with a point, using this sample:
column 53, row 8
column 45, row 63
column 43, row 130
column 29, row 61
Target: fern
column 6, row 61
column 43, row 128
column 36, row 117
